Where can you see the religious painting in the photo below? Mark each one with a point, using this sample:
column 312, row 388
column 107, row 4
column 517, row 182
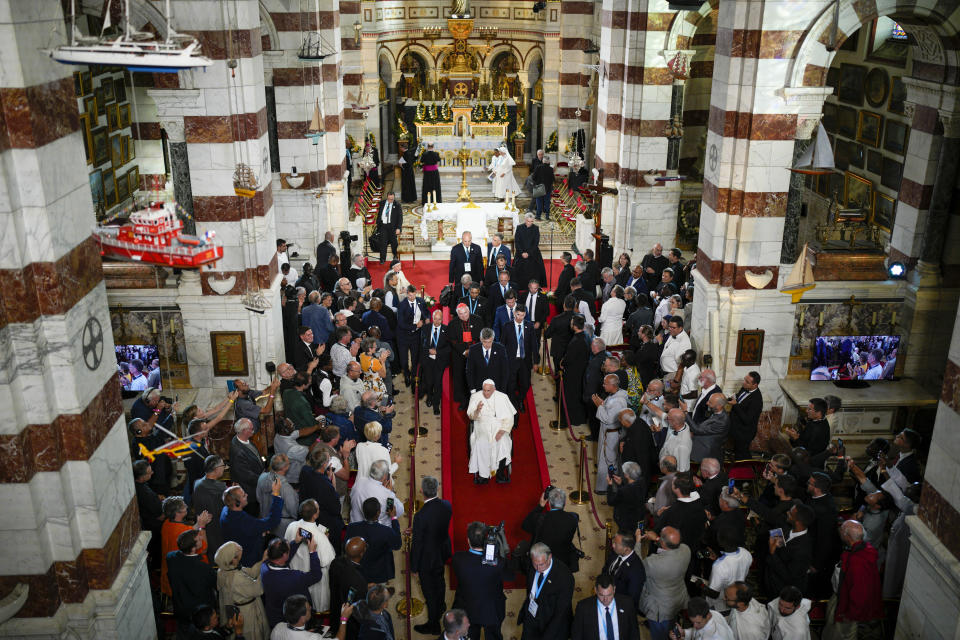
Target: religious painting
column 85, row 133
column 120, row 89
column 109, row 188
column 90, row 106
column 749, row 347
column 829, row 119
column 101, row 105
column 883, row 209
column 116, row 151
column 848, row 154
column 895, row 137
column 874, row 161
column 858, row 194
column 852, row 77
column 124, row 116
column 892, row 174
column 96, row 189
column 846, row 121
column 113, row 117
column 875, row 87
column 124, row 148
column 131, row 149
column 108, row 93
column 82, row 83
column 869, row 128
column 229, row 353
column 100, row 143
column 898, row 96
column 123, row 190
column 133, row 180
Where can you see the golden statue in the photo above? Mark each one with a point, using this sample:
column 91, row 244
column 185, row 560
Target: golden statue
column 460, row 8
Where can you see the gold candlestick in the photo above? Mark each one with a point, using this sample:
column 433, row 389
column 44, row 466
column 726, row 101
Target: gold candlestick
column 464, row 194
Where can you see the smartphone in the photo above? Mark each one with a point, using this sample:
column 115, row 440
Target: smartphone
column 389, row 504
column 640, row 527
column 731, row 484
column 776, row 533
column 230, row 386
column 306, row 535
column 351, row 595
column 546, row 492
column 612, row 469
column 232, row 611
column 839, row 444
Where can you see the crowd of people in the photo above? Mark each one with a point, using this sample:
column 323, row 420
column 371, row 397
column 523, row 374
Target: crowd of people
column 314, row 527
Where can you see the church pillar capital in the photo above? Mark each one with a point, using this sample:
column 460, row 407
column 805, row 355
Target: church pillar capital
column 174, row 128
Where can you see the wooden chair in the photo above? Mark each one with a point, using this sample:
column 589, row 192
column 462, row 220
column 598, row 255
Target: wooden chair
column 407, row 241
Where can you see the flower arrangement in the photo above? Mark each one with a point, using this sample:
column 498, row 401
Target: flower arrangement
column 551, row 145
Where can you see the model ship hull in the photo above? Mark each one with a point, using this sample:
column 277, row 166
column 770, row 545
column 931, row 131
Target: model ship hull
column 137, row 57
column 184, row 257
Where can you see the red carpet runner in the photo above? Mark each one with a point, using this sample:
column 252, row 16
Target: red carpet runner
column 491, row 503
column 433, row 274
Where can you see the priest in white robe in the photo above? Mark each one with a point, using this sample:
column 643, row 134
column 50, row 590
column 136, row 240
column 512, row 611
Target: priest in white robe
column 503, row 180
column 490, row 443
column 319, row 591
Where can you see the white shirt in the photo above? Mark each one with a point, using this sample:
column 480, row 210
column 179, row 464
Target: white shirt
column 584, row 309
column 351, row 391
column 387, row 208
column 531, row 305
column 294, row 450
column 874, row 373
column 751, row 623
column 688, row 385
column 602, row 620
column 370, row 452
column 340, row 356
column 704, row 395
column 284, row 632
column 518, row 330
column 715, row 629
column 796, row 626
column 678, row 444
column 417, row 316
column 367, row 487
column 663, row 309
column 673, row 348
column 727, row 569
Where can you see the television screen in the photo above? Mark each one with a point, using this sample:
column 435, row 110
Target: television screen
column 854, row 357
column 138, row 366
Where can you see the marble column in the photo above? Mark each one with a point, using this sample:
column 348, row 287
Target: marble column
column 941, row 199
column 70, row 526
column 180, row 169
column 790, row 250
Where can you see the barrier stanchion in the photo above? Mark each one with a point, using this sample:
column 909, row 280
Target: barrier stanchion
column 416, row 430
column 580, row 496
column 555, row 424
column 544, row 367
column 610, row 533
column 409, row 607
column 583, row 458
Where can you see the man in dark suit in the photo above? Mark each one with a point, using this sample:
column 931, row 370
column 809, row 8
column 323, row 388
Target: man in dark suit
column 712, row 481
column 599, row 610
column 486, row 360
column 708, row 386
column 193, row 582
column 479, row 586
column 579, row 290
column 503, row 314
column 710, row 433
column 546, row 611
column 497, row 248
column 345, row 576
column 412, row 314
column 627, row 494
column 791, row 555
column 567, row 273
column 306, row 354
column 593, row 383
column 637, row 444
column 826, row 539
column 463, row 331
column 816, row 434
column 326, row 249
column 377, row 563
column 537, row 307
column 466, row 258
column 434, row 358
column 626, row 567
column 317, row 483
column 519, row 341
column 558, row 332
column 543, row 175
column 687, row 515
column 745, row 408
column 208, row 496
column 246, row 465
column 389, row 223
column 591, row 273
column 430, row 550
column 495, row 268
column 497, row 293
column 907, row 442
column 476, row 303
column 573, row 366
column 554, row 527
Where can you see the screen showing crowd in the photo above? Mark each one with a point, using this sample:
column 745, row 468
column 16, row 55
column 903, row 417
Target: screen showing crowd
column 138, row 366
column 854, row 358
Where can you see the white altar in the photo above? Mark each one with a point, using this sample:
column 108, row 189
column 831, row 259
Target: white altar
column 471, row 219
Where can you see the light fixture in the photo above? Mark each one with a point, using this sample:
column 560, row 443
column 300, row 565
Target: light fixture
column 357, row 30
column 294, row 179
column 897, row 271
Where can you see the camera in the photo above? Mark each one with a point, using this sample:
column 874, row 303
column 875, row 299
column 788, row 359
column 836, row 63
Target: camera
column 612, row 469
column 346, row 238
column 271, row 367
column 495, row 546
column 546, row 492
column 539, row 6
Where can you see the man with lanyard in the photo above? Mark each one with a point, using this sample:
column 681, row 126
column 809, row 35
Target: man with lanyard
column 465, row 258
column 476, row 304
column 606, row 615
column 389, row 223
column 545, row 613
column 434, row 358
column 536, row 305
column 497, row 248
column 246, row 405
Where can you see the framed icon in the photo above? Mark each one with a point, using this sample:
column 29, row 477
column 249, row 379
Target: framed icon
column 846, row 121
column 229, row 353
column 120, row 89
column 874, row 161
column 108, row 93
column 898, row 96
column 113, row 117
column 868, row 130
column 829, row 117
column 892, row 174
column 749, row 347
column 96, row 189
column 101, row 105
column 133, row 180
column 116, row 151
column 884, row 208
column 82, row 83
column 848, row 154
column 895, row 137
column 109, row 188
column 100, row 143
column 131, row 149
column 876, row 86
column 85, row 133
column 90, row 106
column 852, row 77
column 858, row 194
column 124, row 118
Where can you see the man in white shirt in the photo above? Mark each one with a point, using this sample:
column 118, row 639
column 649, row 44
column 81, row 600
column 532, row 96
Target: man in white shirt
column 282, row 259
column 789, row 615
column 652, row 399
column 748, row 618
column 732, row 566
column 490, row 443
column 296, row 613
column 679, row 442
column 351, row 385
column 344, row 351
column 377, row 485
column 673, row 347
column 874, row 368
column 707, row 624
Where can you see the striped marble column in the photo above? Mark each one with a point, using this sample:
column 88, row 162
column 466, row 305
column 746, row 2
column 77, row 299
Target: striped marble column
column 70, row 529
column 576, row 20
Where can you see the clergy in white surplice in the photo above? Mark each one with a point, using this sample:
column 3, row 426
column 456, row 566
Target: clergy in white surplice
column 490, row 443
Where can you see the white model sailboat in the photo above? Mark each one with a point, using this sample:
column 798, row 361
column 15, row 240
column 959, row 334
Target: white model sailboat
column 800, row 279
column 137, row 51
column 817, row 159
column 315, row 131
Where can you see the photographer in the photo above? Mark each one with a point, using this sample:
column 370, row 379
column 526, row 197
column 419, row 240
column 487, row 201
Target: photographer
column 154, row 409
column 480, row 585
column 628, row 496
column 555, row 527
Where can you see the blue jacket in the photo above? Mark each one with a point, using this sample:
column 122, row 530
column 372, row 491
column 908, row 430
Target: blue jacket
column 406, row 328
column 347, row 431
column 247, row 531
column 377, row 563
column 362, row 415
column 318, row 318
column 503, row 251
column 279, row 583
column 501, row 317
column 376, row 319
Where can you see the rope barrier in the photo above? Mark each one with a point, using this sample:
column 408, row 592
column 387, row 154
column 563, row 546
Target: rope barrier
column 411, row 606
column 585, row 457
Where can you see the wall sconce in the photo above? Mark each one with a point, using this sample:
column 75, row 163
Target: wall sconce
column 294, row 179
column 357, row 30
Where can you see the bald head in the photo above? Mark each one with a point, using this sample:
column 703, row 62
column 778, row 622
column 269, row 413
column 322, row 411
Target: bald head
column 676, row 419
column 655, row 388
column 355, row 548
column 851, row 532
column 717, row 402
column 709, row 467
column 670, row 537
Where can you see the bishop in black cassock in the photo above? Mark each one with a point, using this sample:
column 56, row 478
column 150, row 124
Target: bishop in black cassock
column 408, row 184
column 430, row 161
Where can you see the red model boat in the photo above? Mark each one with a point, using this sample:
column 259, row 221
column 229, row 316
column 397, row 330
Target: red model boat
column 154, row 235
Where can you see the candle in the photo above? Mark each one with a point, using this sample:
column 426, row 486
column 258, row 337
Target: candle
column 801, row 316
column 434, row 197
column 893, row 320
column 874, row 318
column 173, row 326
column 153, row 323
column 820, row 319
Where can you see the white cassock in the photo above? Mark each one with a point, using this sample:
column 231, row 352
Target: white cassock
column 402, row 283
column 486, row 451
column 507, row 182
column 319, row 591
column 611, row 321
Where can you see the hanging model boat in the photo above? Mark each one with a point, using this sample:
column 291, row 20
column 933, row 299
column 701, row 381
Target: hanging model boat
column 245, row 181
column 134, row 50
column 817, row 159
column 154, row 235
column 315, row 130
column 800, row 279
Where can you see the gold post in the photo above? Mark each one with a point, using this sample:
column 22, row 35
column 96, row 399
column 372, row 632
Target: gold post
column 610, row 532
column 415, row 604
column 580, row 496
column 555, row 424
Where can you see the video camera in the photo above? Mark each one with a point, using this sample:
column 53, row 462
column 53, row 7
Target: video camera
column 495, row 546
column 346, row 238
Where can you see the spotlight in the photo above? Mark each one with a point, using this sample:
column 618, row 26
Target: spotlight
column 539, row 6
column 897, row 271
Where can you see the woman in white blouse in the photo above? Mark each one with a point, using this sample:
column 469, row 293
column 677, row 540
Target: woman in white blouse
column 611, row 317
column 370, row 451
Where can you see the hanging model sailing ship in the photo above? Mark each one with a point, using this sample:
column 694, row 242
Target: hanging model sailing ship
column 817, row 159
column 800, row 279
column 135, row 50
column 315, row 130
column 245, row 181
column 155, row 235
